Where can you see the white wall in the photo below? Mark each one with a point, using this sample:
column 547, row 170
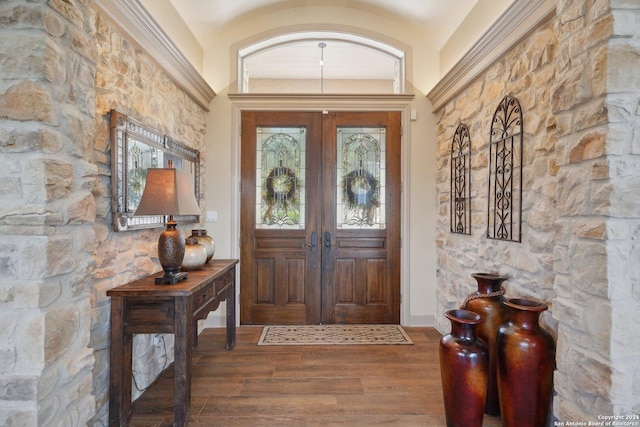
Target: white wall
column 474, row 25
column 419, row 255
column 166, row 16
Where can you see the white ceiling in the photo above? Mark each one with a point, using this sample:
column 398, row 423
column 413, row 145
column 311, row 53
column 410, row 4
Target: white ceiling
column 437, row 20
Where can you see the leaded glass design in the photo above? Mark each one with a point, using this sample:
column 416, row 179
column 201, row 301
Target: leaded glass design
column 280, row 171
column 505, row 172
column 140, row 157
column 361, row 178
column 461, row 181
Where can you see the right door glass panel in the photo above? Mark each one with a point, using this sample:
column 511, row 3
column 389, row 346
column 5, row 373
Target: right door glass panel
column 361, row 177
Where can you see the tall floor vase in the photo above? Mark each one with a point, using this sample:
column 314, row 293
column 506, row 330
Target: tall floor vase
column 526, row 360
column 463, row 366
column 487, row 301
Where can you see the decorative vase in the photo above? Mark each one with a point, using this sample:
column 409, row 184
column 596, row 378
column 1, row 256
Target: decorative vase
column 464, row 362
column 205, row 240
column 487, row 301
column 526, row 360
column 195, row 255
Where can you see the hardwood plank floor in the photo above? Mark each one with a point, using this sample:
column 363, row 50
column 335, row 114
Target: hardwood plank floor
column 366, row 385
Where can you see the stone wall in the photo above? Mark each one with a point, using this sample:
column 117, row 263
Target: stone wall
column 63, row 67
column 575, row 78
column 129, row 81
column 47, row 212
column 527, row 73
column 599, row 362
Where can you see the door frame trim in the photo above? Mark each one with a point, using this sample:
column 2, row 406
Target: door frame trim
column 403, row 105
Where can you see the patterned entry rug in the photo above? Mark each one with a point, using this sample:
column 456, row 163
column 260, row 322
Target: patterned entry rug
column 334, row 335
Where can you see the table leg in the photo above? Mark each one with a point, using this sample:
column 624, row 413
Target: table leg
column 231, row 315
column 120, row 367
column 183, row 332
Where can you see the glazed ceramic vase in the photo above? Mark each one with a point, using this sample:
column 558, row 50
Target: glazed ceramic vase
column 464, row 362
column 526, row 361
column 195, row 255
column 205, row 240
column 488, row 303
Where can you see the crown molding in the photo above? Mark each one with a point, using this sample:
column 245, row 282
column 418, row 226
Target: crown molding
column 522, row 17
column 321, row 97
column 137, row 24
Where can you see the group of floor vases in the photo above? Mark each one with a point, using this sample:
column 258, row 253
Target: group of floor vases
column 497, row 359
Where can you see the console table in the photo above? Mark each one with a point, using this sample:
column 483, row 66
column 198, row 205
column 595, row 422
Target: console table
column 142, row 307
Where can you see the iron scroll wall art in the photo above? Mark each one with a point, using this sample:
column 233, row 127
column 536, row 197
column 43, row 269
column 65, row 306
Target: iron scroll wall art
column 461, row 181
column 136, row 147
column 504, row 213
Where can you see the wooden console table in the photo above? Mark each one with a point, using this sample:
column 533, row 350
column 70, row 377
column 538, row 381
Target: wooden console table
column 142, row 307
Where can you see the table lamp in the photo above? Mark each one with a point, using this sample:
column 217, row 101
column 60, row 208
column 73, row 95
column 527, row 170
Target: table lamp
column 169, row 192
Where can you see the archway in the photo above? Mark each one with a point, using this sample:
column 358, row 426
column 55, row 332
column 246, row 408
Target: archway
column 321, row 62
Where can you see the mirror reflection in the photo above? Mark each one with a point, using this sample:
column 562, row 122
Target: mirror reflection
column 135, row 148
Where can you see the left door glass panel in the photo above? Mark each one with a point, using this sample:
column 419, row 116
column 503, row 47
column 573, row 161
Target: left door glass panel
column 280, row 173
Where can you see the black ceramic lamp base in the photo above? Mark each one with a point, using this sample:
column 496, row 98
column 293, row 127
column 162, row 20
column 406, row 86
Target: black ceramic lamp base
column 171, row 279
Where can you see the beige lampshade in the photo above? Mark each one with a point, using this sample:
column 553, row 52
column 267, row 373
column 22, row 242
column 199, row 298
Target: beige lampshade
column 168, row 191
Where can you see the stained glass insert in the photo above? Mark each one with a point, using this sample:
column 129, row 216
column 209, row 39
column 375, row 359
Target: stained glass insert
column 361, row 178
column 140, row 157
column 280, row 171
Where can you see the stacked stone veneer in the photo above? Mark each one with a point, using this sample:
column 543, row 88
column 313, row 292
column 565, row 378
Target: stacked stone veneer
column 577, row 81
column 63, row 66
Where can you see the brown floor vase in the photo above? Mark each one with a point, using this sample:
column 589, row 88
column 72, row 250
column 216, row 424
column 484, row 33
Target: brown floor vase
column 526, row 360
column 464, row 362
column 487, row 301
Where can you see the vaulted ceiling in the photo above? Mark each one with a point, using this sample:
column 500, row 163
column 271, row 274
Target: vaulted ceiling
column 436, row 19
column 439, row 18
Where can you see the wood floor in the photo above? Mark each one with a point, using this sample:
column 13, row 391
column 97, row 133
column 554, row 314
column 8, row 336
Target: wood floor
column 365, row 385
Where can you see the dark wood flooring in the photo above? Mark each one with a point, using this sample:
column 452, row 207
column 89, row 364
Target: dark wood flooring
column 250, row 385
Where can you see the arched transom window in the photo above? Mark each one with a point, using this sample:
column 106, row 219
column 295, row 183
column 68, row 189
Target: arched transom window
column 321, row 62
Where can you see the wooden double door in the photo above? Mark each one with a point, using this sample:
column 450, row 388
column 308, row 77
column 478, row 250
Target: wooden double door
column 320, row 217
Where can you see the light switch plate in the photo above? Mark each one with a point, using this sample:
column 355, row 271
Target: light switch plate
column 212, row 216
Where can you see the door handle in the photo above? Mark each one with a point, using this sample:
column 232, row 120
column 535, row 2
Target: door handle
column 314, row 242
column 327, row 242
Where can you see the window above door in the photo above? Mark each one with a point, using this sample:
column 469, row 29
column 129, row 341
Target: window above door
column 321, row 62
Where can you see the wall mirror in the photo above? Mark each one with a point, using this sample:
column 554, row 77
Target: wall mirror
column 134, row 148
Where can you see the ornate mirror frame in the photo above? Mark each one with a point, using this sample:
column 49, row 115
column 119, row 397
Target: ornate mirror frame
column 134, row 148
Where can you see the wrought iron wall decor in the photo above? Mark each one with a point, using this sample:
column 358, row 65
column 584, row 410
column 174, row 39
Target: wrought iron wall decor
column 134, row 148
column 461, row 181
column 504, row 213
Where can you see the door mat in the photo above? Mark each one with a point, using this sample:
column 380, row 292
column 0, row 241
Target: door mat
column 334, row 335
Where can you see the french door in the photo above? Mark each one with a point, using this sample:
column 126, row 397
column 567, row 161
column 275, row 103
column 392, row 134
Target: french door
column 320, row 218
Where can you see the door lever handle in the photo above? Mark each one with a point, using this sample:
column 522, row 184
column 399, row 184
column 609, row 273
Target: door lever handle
column 314, row 242
column 327, row 242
